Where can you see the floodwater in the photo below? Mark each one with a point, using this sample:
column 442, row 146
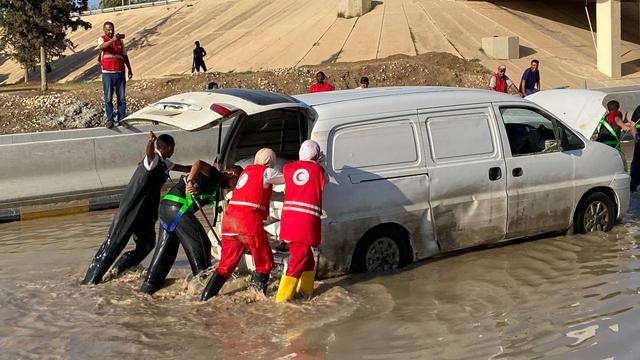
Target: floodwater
column 564, row 297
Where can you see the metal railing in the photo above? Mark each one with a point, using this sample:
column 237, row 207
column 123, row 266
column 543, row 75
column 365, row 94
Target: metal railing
column 131, row 7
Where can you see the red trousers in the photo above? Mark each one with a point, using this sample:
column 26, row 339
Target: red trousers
column 233, row 247
column 300, row 259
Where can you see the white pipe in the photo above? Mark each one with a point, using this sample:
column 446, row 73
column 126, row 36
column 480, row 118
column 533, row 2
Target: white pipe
column 593, row 37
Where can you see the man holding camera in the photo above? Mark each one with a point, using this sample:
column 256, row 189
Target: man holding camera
column 113, row 59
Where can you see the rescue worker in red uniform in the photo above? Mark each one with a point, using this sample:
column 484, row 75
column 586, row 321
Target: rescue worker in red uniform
column 243, row 224
column 300, row 222
column 113, row 60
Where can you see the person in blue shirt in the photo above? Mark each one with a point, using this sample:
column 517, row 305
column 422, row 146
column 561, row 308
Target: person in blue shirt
column 530, row 81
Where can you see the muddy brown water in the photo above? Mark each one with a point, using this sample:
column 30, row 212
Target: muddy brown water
column 563, row 297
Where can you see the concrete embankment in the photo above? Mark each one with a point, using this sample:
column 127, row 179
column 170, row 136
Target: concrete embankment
column 63, row 172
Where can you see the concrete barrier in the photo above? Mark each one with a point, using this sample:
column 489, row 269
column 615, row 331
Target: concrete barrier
column 88, row 165
column 502, row 47
column 353, row 8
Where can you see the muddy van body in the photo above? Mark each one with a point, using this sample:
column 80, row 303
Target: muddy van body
column 418, row 171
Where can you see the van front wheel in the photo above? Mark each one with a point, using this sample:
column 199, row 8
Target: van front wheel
column 381, row 250
column 595, row 213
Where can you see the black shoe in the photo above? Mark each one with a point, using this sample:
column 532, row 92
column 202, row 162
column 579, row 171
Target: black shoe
column 94, row 274
column 109, row 124
column 259, row 282
column 148, row 289
column 213, row 287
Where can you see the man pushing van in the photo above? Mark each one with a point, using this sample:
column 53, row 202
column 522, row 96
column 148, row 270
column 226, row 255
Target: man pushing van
column 138, row 211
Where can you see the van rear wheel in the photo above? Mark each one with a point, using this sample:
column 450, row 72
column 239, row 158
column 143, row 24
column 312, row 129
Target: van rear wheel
column 381, row 250
column 595, row 213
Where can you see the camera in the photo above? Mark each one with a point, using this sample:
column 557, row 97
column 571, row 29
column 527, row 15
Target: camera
column 120, row 36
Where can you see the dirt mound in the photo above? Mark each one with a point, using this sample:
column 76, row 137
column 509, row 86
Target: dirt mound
column 80, row 104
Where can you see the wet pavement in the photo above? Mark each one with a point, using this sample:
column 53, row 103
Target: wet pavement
column 562, row 297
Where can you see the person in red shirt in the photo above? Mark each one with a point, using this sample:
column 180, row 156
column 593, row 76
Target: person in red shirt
column 300, row 223
column 611, row 125
column 243, row 224
column 320, row 84
column 500, row 82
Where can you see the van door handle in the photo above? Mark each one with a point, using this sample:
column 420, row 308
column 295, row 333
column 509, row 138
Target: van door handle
column 495, row 173
column 517, row 172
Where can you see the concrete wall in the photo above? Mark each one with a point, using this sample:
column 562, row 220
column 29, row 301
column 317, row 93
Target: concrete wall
column 61, row 166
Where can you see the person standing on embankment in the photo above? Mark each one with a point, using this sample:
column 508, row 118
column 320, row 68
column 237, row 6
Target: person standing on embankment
column 113, row 60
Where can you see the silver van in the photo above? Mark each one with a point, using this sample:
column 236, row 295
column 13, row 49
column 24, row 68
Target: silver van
column 418, row 171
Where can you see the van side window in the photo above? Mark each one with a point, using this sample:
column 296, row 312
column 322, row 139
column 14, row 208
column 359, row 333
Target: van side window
column 568, row 139
column 529, row 132
column 374, row 146
column 454, row 137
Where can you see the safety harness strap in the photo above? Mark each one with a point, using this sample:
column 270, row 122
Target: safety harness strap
column 187, row 203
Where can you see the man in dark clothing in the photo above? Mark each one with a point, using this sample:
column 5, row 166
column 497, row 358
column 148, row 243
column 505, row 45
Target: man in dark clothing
column 138, row 211
column 198, row 58
column 530, row 82
column 179, row 224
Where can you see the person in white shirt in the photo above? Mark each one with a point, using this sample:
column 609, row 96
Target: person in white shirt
column 138, row 211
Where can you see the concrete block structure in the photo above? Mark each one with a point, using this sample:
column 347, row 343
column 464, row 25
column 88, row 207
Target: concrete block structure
column 609, row 34
column 353, row 8
column 502, row 47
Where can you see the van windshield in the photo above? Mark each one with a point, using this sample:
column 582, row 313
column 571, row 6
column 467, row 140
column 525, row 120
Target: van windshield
column 281, row 130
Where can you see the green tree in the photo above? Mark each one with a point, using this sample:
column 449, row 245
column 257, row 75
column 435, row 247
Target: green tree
column 110, row 3
column 28, row 25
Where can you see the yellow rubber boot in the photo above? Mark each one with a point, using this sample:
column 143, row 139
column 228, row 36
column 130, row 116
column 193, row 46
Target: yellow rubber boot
column 305, row 285
column 286, row 289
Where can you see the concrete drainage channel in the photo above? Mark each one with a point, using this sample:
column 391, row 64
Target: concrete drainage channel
column 73, row 171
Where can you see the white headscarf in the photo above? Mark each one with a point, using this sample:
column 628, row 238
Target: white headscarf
column 310, row 151
column 265, row 156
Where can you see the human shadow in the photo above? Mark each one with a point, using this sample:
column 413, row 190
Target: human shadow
column 144, row 38
column 64, row 66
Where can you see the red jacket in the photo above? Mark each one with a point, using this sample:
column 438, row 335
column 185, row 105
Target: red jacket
column 300, row 221
column 320, row 87
column 249, row 203
column 112, row 58
column 501, row 84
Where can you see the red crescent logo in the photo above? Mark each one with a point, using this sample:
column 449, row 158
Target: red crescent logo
column 300, row 177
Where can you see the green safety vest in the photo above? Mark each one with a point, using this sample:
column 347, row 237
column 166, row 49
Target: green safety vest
column 603, row 122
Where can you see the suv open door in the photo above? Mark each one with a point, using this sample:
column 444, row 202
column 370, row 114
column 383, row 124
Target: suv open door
column 201, row 110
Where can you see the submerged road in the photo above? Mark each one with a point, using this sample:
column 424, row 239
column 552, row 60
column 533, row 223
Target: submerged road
column 563, row 297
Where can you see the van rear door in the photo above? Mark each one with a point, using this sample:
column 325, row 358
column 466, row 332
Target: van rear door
column 467, row 177
column 201, row 110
